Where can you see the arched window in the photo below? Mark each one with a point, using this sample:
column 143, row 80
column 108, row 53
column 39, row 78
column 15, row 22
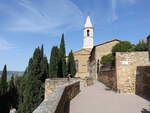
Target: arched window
column 88, row 32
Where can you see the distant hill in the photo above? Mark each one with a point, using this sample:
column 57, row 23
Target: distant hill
column 10, row 73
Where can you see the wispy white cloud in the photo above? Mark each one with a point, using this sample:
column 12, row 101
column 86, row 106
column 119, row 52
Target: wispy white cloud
column 114, row 4
column 128, row 1
column 42, row 16
column 5, row 45
column 114, row 13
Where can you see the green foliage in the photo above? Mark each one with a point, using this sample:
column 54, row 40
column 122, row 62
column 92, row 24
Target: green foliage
column 62, row 67
column 107, row 59
column 3, row 82
column 123, row 46
column 13, row 94
column 4, row 100
column 54, row 59
column 141, row 46
column 33, row 82
column 58, row 66
column 71, row 65
column 62, row 50
column 44, row 69
column 21, row 88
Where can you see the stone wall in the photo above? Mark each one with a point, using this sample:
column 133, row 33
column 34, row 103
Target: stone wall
column 128, row 71
column 52, row 83
column 148, row 42
column 108, row 77
column 97, row 53
column 143, row 81
column 81, row 57
column 59, row 100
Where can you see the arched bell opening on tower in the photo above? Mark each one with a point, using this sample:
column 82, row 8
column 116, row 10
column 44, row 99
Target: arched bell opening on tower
column 88, row 32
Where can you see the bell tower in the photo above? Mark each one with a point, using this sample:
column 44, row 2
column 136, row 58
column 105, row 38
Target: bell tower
column 88, row 34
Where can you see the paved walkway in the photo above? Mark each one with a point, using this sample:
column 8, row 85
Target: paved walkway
column 96, row 99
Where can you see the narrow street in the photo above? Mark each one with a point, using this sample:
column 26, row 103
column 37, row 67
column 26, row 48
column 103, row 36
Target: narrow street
column 99, row 99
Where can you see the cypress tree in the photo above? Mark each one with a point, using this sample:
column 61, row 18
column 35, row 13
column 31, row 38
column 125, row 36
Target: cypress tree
column 44, row 69
column 54, row 59
column 62, row 67
column 32, row 87
column 42, row 51
column 34, row 79
column 3, row 82
column 21, row 108
column 62, row 47
column 71, row 65
column 4, row 106
column 13, row 95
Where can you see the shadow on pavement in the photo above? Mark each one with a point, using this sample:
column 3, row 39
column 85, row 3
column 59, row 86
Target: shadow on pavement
column 145, row 111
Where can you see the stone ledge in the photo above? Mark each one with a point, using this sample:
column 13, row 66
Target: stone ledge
column 59, row 96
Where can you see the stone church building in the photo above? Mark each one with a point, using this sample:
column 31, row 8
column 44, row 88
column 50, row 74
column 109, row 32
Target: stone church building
column 130, row 74
column 89, row 51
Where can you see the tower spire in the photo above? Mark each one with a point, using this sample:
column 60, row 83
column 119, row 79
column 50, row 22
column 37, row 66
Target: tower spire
column 88, row 22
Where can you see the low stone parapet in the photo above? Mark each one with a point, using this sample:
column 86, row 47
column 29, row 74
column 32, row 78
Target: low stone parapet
column 59, row 99
column 52, row 83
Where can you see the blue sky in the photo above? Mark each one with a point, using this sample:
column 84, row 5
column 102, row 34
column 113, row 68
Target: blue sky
column 26, row 24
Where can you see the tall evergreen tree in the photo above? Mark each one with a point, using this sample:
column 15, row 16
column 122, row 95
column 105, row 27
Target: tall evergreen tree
column 4, row 105
column 71, row 65
column 44, row 69
column 54, row 59
column 13, row 95
column 37, row 72
column 42, row 51
column 21, row 88
column 62, row 47
column 3, row 82
column 62, row 67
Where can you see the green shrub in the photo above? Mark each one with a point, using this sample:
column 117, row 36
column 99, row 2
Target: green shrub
column 141, row 46
column 107, row 59
column 123, row 46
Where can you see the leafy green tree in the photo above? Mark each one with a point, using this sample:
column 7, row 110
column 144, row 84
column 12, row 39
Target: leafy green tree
column 54, row 59
column 123, row 46
column 62, row 67
column 106, row 59
column 141, row 46
column 71, row 65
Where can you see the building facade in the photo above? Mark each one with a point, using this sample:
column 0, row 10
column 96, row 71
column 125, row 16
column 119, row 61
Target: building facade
column 97, row 53
column 82, row 56
column 88, row 57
